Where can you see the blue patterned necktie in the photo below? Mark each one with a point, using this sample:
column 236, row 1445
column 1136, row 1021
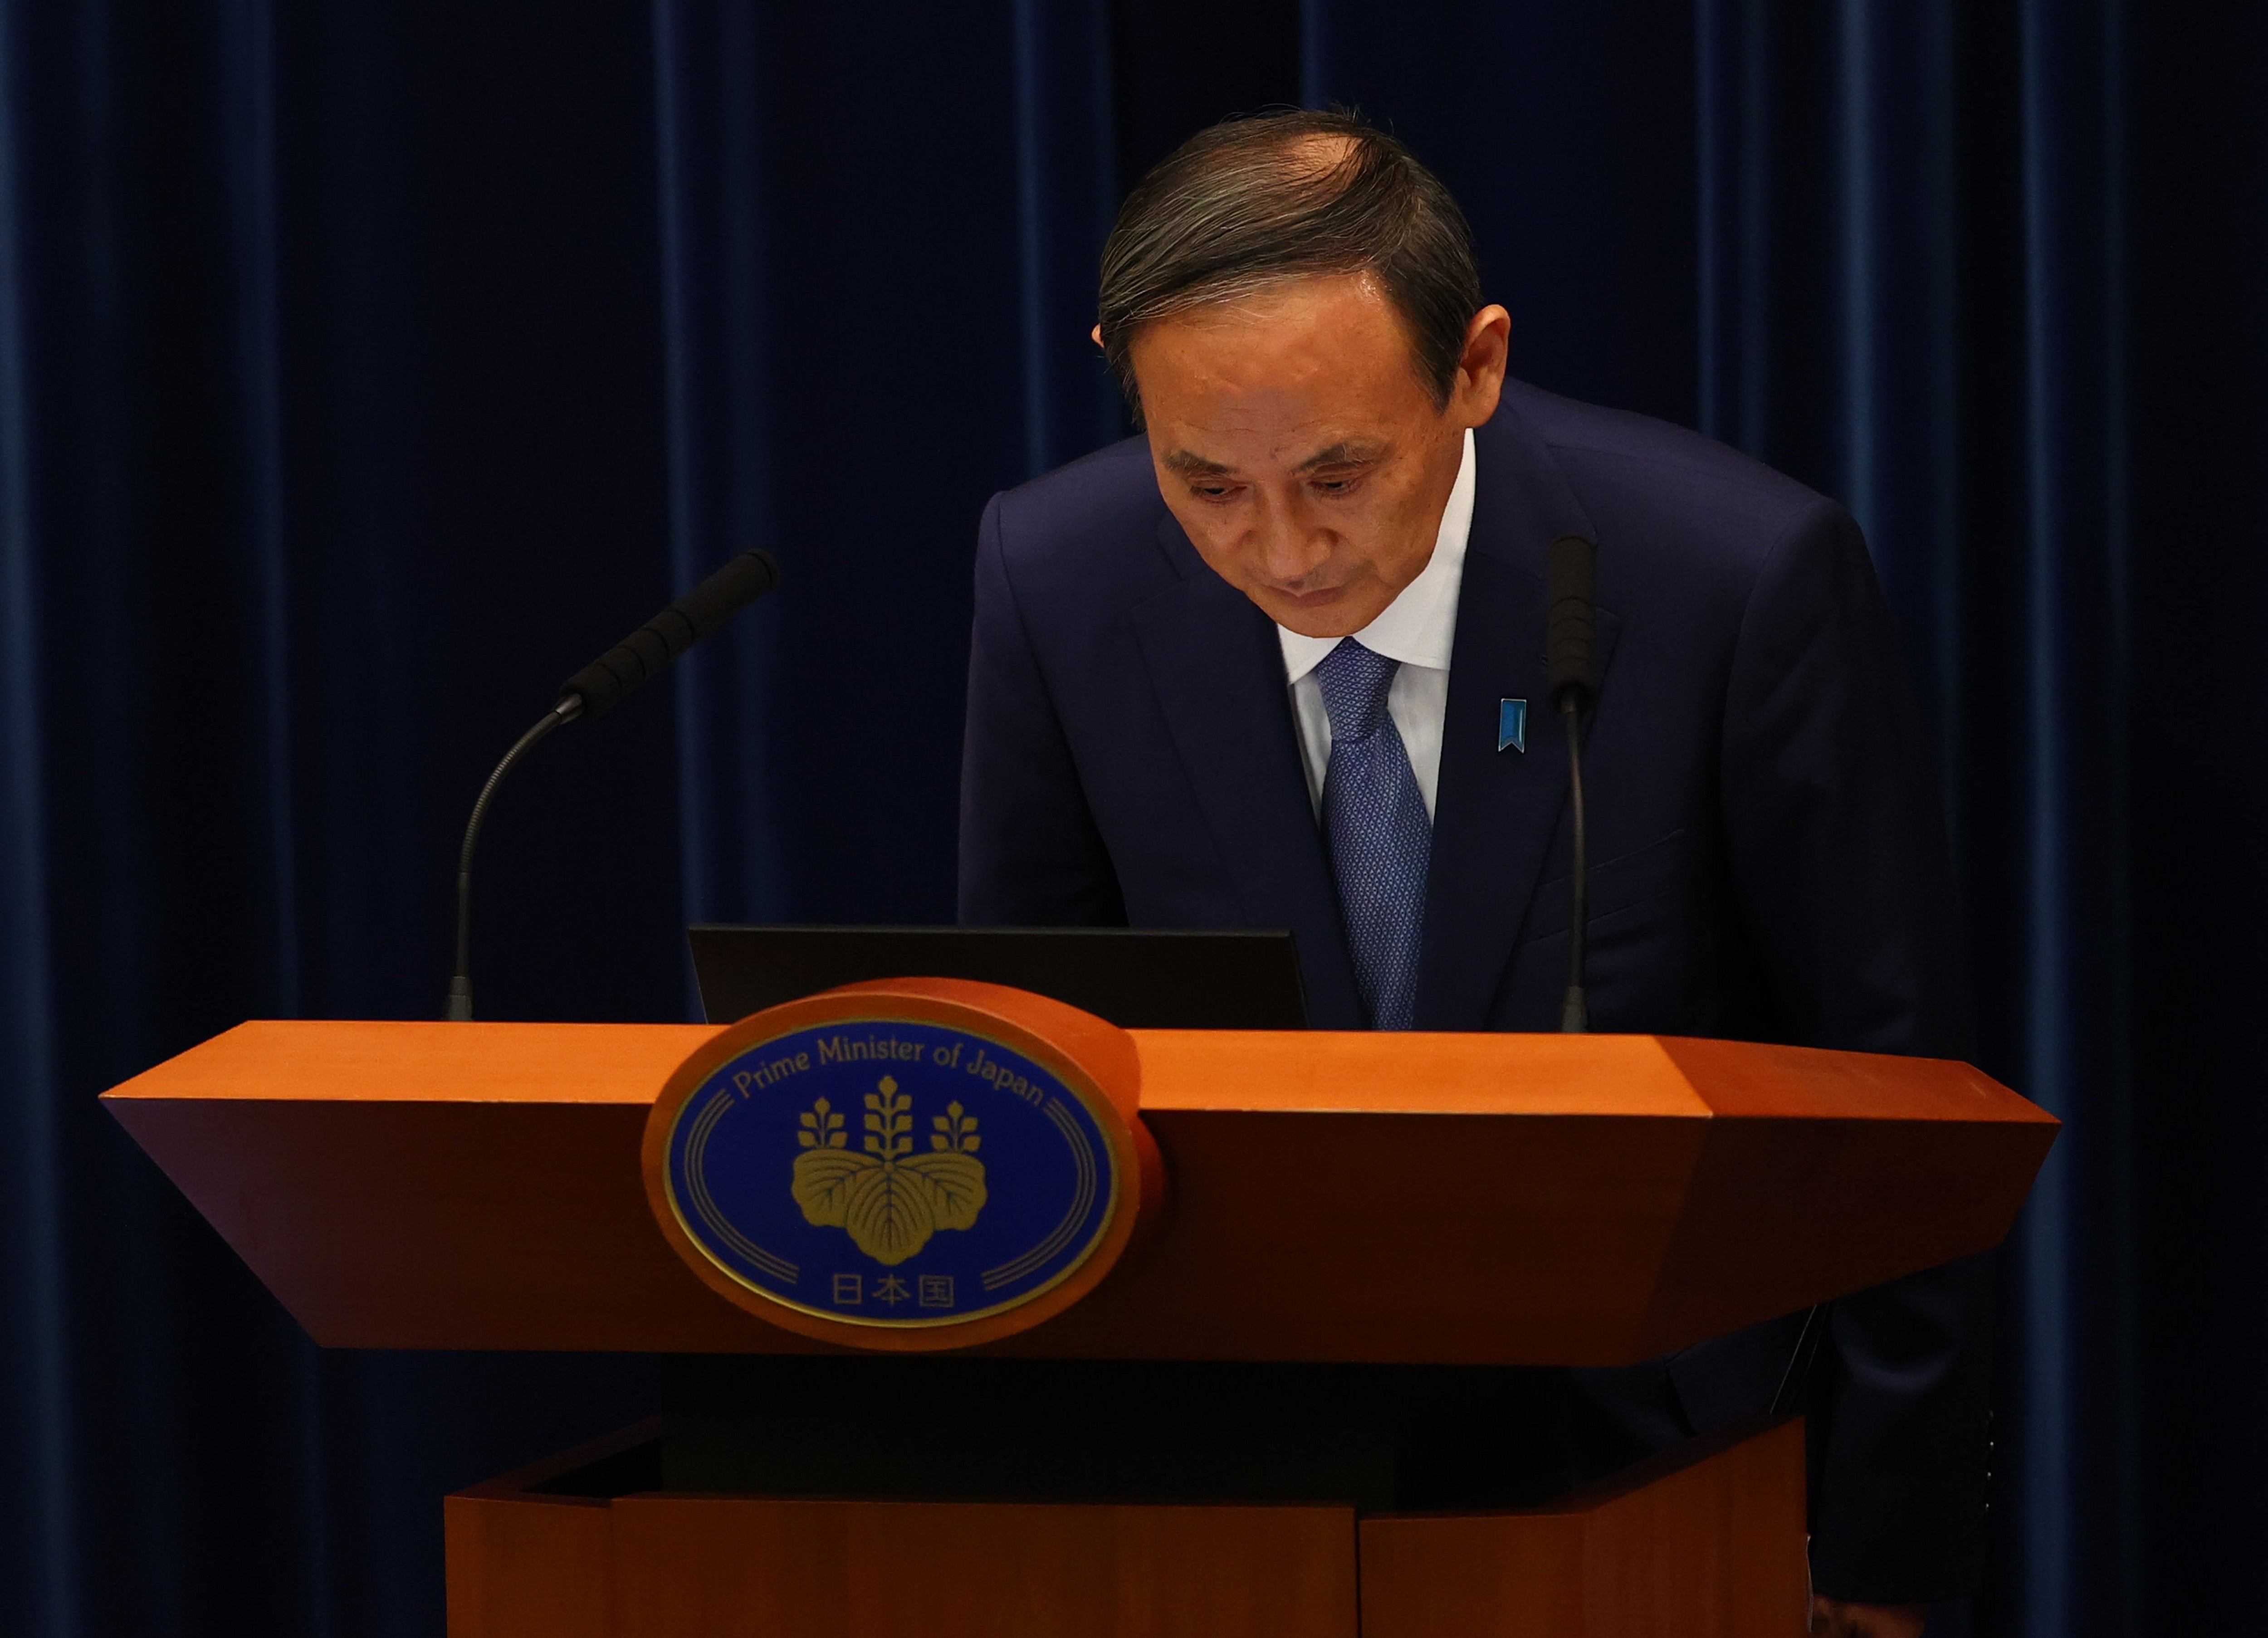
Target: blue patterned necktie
column 1380, row 838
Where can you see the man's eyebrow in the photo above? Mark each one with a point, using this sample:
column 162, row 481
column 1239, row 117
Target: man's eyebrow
column 1346, row 453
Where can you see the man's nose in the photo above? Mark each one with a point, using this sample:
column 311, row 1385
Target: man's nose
column 1289, row 545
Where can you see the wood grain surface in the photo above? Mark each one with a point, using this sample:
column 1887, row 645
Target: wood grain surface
column 700, row 1566
column 1705, row 1541
column 1504, row 1198
column 522, row 1564
column 527, row 1564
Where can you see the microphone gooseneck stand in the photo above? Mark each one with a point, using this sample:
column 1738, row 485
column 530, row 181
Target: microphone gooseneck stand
column 1575, row 1007
column 1570, row 668
column 460, row 984
column 594, row 690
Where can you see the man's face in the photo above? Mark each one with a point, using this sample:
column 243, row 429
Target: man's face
column 1295, row 444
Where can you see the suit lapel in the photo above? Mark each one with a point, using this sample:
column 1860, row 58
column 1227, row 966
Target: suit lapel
column 1497, row 813
column 1217, row 671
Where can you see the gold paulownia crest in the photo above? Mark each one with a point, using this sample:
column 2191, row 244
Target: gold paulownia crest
column 890, row 1199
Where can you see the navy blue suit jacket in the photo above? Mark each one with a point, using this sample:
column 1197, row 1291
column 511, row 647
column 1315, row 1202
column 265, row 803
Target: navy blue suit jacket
column 1769, row 862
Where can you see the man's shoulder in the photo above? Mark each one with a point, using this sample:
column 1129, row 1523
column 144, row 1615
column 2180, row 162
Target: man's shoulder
column 1109, row 496
column 1079, row 546
column 1619, row 462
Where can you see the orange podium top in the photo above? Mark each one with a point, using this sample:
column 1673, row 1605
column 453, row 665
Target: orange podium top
column 1592, row 1200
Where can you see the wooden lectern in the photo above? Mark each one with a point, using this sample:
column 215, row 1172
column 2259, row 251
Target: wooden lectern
column 1335, row 1199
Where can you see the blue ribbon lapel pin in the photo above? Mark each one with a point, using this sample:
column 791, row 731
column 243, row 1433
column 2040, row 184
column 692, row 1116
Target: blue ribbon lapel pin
column 1512, row 725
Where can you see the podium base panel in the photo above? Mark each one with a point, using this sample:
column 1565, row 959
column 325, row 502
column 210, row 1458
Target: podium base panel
column 1707, row 1540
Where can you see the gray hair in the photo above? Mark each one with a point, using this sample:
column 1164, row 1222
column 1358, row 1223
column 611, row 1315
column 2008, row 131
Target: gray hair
column 1257, row 202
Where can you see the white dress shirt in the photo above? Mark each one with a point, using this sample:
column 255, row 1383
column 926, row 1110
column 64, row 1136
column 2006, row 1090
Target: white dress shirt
column 1417, row 629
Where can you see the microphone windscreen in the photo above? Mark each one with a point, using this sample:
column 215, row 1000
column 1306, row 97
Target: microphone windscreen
column 1570, row 651
column 727, row 592
column 652, row 646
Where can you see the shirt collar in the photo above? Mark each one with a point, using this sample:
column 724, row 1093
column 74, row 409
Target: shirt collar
column 1420, row 626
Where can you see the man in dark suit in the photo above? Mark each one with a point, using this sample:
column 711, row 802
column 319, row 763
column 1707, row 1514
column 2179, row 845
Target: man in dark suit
column 1253, row 670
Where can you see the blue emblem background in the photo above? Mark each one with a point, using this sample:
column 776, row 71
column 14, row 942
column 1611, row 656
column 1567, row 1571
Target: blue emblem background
column 1048, row 1169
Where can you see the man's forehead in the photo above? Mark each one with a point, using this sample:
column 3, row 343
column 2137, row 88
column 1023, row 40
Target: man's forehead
column 1339, row 452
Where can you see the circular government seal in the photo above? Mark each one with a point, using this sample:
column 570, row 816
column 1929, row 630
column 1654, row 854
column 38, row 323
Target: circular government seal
column 917, row 1163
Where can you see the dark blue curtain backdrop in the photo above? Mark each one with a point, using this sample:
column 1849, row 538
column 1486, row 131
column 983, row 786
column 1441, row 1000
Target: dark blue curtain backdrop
column 365, row 365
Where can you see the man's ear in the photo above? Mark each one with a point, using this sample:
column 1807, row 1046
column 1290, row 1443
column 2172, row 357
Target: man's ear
column 1481, row 370
column 1097, row 334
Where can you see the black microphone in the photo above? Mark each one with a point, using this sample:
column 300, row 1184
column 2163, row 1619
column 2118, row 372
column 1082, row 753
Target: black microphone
column 1570, row 670
column 650, row 648
column 595, row 689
